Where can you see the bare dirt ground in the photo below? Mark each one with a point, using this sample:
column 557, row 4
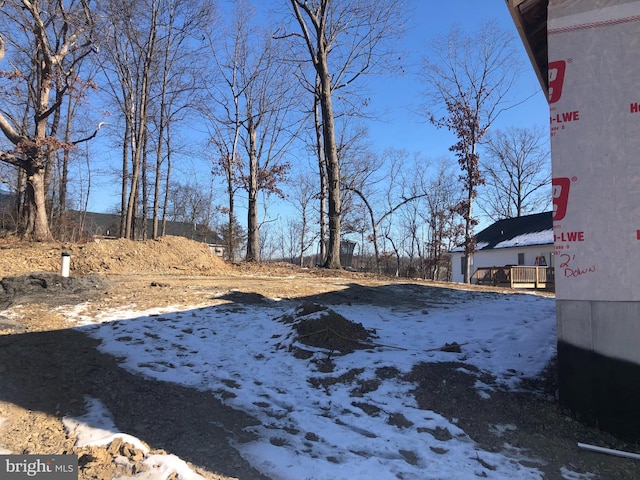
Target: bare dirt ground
column 47, row 369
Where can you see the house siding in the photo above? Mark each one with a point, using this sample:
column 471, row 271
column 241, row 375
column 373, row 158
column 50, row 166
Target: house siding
column 500, row 257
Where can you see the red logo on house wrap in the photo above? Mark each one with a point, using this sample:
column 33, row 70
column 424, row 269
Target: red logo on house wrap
column 556, row 79
column 560, row 187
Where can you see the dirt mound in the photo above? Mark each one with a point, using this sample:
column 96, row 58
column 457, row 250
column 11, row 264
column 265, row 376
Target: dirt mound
column 329, row 330
column 175, row 255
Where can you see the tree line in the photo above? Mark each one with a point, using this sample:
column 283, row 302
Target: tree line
column 278, row 98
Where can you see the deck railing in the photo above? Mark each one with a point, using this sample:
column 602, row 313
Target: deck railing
column 516, row 276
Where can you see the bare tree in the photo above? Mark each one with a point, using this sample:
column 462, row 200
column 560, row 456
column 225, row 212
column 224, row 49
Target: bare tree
column 181, row 73
column 443, row 232
column 517, row 172
column 151, row 64
column 228, row 165
column 397, row 190
column 48, row 39
column 254, row 100
column 344, row 39
column 269, row 99
column 75, row 100
column 224, row 114
column 190, row 204
column 349, row 143
column 469, row 77
column 322, row 170
column 270, row 241
column 302, row 194
column 288, row 239
column 130, row 30
column 411, row 229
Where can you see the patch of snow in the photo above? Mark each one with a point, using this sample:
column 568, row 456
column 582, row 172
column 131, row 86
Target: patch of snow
column 528, row 239
column 498, row 429
column 96, row 427
column 568, row 474
column 509, row 336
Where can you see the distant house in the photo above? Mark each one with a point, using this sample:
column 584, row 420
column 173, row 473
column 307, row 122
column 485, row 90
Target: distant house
column 526, row 240
column 100, row 225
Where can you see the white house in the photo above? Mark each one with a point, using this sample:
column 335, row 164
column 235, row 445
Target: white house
column 526, row 240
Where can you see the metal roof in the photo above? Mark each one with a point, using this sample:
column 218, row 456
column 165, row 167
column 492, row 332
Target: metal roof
column 525, row 231
column 503, row 233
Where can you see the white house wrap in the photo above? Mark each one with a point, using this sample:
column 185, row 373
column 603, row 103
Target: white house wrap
column 594, row 99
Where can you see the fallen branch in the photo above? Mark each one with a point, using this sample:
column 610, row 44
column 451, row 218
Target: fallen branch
column 448, row 347
column 374, row 344
column 610, row 451
column 324, row 330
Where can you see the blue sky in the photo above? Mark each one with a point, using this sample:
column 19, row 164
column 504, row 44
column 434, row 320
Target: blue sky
column 398, row 97
column 404, row 129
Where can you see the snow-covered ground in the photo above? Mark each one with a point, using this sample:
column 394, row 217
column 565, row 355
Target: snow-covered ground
column 308, row 432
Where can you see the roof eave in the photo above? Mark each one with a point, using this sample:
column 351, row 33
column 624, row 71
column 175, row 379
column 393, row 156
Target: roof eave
column 533, row 33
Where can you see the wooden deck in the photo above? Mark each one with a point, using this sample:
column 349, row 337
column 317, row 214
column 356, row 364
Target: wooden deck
column 516, row 277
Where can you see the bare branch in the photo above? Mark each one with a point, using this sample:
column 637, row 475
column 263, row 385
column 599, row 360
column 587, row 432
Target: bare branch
column 9, row 132
column 93, row 135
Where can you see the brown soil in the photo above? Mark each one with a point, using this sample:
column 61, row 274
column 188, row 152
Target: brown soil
column 47, row 369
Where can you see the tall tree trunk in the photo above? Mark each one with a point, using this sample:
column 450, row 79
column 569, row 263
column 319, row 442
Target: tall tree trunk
column 20, row 199
column 157, row 183
column 165, row 204
column 38, row 224
column 163, row 124
column 131, row 201
column 253, row 232
column 333, row 166
column 125, row 181
column 156, row 192
column 144, row 199
column 469, row 245
column 303, row 232
column 322, row 168
column 64, row 174
column 36, row 193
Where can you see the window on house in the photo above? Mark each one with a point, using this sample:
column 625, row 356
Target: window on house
column 463, row 264
column 521, row 259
